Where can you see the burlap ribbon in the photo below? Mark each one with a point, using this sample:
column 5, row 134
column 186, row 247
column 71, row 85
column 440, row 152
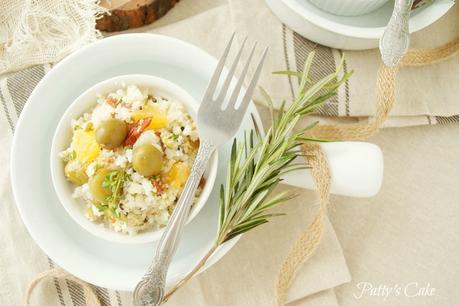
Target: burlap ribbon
column 304, row 247
column 385, row 98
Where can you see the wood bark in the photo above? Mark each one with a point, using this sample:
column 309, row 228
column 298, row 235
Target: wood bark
column 133, row 14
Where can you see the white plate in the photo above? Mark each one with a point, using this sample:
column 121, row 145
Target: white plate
column 92, row 259
column 353, row 33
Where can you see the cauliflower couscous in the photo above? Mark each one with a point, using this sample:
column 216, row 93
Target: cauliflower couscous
column 130, row 157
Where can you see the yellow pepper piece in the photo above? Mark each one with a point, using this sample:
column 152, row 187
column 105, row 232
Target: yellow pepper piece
column 85, row 146
column 158, row 116
column 75, row 172
column 178, row 175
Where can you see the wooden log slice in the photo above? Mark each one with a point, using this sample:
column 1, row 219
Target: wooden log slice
column 125, row 15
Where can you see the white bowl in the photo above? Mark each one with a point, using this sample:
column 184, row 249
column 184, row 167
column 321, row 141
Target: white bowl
column 349, row 32
column 62, row 138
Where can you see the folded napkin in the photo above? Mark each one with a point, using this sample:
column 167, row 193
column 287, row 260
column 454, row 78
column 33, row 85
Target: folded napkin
column 246, row 276
column 416, row 106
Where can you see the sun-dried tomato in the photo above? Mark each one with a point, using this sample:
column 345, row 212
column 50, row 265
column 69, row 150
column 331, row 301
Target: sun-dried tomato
column 136, row 130
column 159, row 186
column 112, row 101
column 126, row 104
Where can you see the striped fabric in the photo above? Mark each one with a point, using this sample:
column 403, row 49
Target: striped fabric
column 14, row 92
column 296, row 49
column 325, row 64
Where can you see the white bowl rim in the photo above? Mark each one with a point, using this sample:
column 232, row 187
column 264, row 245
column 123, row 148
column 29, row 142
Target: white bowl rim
column 419, row 21
column 58, row 178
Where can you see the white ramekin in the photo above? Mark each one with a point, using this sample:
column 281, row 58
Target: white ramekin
column 348, row 7
column 62, row 138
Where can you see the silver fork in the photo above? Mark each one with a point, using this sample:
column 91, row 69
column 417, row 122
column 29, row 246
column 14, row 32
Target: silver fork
column 216, row 125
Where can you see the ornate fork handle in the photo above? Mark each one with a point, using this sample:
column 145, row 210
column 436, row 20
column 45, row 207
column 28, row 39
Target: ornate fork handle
column 150, row 290
column 396, row 38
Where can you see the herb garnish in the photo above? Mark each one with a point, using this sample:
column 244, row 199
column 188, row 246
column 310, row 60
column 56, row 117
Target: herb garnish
column 174, row 136
column 114, row 181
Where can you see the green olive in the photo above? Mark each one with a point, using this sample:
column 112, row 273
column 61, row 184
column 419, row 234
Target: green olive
column 111, row 133
column 75, row 173
column 147, row 160
column 96, row 187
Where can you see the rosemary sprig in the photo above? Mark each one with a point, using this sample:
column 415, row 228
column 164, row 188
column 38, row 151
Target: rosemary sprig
column 258, row 163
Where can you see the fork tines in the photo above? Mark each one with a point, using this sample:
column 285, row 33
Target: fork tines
column 210, row 95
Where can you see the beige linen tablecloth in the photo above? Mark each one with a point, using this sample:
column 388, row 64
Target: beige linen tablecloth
column 226, row 286
column 371, row 235
column 409, row 232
